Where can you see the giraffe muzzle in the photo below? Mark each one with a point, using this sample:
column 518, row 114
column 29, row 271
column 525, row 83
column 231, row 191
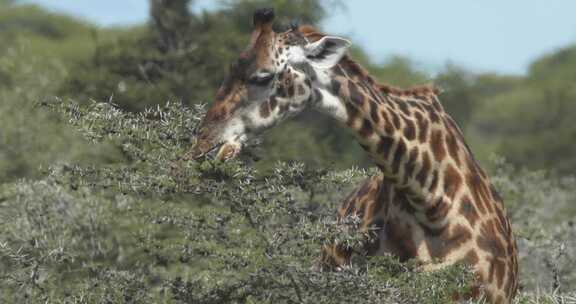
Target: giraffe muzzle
column 221, row 151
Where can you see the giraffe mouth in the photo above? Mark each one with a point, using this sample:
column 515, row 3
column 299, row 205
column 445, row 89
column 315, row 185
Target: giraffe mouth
column 221, row 151
column 211, row 153
column 202, row 151
column 227, row 151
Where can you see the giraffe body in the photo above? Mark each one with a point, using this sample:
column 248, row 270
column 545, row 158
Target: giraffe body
column 432, row 201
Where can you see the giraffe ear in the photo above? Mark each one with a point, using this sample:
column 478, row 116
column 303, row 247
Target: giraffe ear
column 326, row 52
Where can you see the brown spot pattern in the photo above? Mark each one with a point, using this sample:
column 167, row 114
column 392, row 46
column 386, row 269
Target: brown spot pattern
column 374, row 113
column 384, row 146
column 434, row 118
column 438, row 210
column 479, row 192
column 403, row 107
column 437, row 145
column 352, row 112
column 355, row 96
column 468, row 210
column 425, row 170
column 265, row 109
column 452, row 181
column 401, row 245
column 471, row 257
column 411, row 164
column 452, row 146
column 488, row 240
column 409, row 130
column 216, row 113
column 423, row 126
column 434, row 183
column 366, row 129
column 398, row 155
column 273, row 103
column 395, row 120
column 439, row 246
column 301, row 90
column 500, row 271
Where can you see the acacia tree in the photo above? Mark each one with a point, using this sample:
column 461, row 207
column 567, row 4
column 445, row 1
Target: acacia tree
column 171, row 21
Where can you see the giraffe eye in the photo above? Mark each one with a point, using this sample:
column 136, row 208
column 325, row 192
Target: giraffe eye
column 261, row 79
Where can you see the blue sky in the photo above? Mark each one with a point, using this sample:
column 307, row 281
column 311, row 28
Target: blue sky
column 501, row 36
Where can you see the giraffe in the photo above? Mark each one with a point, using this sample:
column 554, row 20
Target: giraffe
column 432, row 202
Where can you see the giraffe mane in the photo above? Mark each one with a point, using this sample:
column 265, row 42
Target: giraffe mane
column 421, row 90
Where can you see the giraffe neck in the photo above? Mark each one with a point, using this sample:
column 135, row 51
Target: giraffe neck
column 406, row 132
column 434, row 201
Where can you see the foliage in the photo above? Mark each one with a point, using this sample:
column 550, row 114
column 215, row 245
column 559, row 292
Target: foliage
column 37, row 48
column 532, row 123
column 40, row 33
column 154, row 228
column 30, row 138
column 542, row 208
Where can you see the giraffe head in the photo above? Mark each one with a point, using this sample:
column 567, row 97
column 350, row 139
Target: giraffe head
column 272, row 79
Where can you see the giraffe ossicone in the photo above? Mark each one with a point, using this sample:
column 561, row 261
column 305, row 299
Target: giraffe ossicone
column 432, row 201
